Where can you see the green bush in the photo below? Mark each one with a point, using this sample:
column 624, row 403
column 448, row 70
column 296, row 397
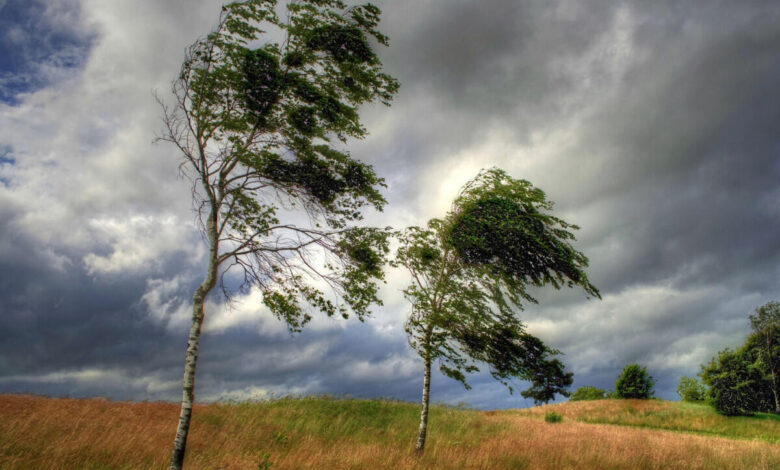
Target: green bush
column 553, row 417
column 588, row 393
column 742, row 381
column 634, row 382
column 690, row 389
column 736, row 385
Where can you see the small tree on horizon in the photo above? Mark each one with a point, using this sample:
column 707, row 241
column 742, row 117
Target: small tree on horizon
column 634, row 382
column 469, row 275
column 588, row 393
column 689, row 389
column 260, row 128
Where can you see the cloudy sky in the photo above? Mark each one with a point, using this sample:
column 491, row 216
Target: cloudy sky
column 655, row 126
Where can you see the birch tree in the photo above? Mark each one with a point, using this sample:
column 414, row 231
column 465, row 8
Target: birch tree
column 470, row 271
column 261, row 127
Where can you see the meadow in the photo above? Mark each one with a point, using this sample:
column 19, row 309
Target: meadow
column 321, row 432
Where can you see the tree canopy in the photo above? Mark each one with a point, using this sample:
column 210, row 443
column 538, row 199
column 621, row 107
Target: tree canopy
column 766, row 329
column 470, row 272
column 588, row 393
column 743, row 381
column 689, row 389
column 634, row 382
column 261, row 127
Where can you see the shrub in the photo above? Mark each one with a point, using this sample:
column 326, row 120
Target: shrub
column 742, row 381
column 588, row 393
column 553, row 417
column 690, row 389
column 735, row 384
column 634, row 382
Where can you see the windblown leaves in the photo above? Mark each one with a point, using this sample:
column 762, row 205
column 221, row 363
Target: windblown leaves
column 470, row 271
column 262, row 126
column 505, row 230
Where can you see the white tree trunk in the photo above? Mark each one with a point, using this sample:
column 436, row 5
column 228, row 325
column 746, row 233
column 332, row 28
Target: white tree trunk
column 191, row 358
column 425, row 399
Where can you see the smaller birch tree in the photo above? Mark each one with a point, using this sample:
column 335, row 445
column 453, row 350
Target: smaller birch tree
column 469, row 274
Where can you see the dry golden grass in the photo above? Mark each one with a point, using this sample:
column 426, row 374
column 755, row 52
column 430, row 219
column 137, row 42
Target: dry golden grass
column 46, row 433
column 659, row 414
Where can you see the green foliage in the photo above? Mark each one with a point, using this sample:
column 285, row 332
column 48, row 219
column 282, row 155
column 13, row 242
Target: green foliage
column 553, row 417
column 264, row 461
column 737, row 384
column 588, row 393
column 766, row 321
column 256, row 122
column 766, row 335
column 729, row 383
column 501, row 224
column 634, row 382
column 691, row 390
column 744, row 381
column 281, row 438
column 465, row 299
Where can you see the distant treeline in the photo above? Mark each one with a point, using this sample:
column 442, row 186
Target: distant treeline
column 735, row 382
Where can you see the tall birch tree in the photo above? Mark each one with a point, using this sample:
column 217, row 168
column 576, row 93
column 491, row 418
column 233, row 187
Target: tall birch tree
column 470, row 271
column 261, row 127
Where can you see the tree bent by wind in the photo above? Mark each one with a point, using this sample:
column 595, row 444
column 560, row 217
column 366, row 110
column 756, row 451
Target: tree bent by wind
column 260, row 130
column 470, row 271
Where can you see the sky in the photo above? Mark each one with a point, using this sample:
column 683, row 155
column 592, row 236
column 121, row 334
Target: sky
column 654, row 126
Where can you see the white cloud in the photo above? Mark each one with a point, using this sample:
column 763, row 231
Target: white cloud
column 83, row 147
column 166, row 304
column 87, row 378
column 394, row 367
column 255, row 393
column 251, row 393
column 244, row 311
column 139, row 243
column 657, row 324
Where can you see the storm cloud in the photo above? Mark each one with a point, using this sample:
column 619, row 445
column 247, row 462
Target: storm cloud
column 653, row 126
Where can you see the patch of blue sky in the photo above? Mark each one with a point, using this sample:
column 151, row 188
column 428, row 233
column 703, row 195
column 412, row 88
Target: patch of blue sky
column 5, row 155
column 6, row 160
column 39, row 40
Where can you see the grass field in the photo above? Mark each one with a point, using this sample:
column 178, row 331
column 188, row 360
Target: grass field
column 658, row 414
column 317, row 433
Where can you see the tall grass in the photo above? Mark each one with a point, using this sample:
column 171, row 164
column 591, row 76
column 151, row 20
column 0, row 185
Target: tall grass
column 658, row 414
column 314, row 433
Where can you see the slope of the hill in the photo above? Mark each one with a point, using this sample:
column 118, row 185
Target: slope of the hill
column 315, row 433
column 696, row 418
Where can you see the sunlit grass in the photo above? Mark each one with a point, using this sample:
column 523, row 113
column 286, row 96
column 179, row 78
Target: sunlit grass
column 659, row 414
column 315, row 433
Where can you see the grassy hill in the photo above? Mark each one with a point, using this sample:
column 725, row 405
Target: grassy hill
column 317, row 433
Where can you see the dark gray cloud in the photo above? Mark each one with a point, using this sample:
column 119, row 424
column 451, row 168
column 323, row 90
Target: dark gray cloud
column 653, row 125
